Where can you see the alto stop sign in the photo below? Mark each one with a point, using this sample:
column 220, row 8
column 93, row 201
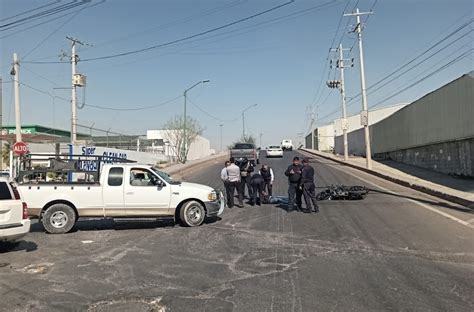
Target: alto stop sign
column 20, row 148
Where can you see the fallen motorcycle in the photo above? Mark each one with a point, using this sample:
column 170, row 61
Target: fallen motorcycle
column 343, row 192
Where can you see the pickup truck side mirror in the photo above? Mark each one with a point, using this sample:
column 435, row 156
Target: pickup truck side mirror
column 160, row 184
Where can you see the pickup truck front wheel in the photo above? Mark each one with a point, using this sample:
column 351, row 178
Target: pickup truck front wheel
column 192, row 213
column 58, row 219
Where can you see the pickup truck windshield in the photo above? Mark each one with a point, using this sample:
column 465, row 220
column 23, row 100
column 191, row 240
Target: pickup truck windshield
column 243, row 146
column 165, row 176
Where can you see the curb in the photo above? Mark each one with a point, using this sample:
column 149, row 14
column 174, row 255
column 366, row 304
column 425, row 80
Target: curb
column 170, row 170
column 452, row 198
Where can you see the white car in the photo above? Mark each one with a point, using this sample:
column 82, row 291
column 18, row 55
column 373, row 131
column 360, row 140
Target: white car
column 274, row 151
column 14, row 221
column 287, row 145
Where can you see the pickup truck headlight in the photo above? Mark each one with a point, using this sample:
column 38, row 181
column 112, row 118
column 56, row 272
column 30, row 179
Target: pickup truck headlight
column 212, row 196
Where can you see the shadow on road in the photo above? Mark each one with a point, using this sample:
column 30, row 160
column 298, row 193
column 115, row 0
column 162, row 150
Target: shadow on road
column 425, row 201
column 17, row 246
column 120, row 225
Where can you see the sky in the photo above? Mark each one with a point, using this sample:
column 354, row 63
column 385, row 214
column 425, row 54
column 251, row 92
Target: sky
column 279, row 60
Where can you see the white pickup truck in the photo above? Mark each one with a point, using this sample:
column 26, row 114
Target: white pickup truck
column 123, row 190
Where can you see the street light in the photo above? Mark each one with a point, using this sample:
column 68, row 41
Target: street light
column 185, row 117
column 243, row 119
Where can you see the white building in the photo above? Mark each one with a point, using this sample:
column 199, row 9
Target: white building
column 201, row 147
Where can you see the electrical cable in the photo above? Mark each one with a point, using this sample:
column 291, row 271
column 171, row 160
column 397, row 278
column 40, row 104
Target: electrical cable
column 55, row 31
column 31, row 10
column 45, row 22
column 60, row 9
column 190, row 36
column 210, row 115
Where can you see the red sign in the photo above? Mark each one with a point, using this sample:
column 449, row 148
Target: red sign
column 20, row 148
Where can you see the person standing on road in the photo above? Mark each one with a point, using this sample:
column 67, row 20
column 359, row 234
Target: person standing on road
column 309, row 188
column 257, row 183
column 225, row 179
column 246, row 169
column 233, row 176
column 294, row 180
column 267, row 173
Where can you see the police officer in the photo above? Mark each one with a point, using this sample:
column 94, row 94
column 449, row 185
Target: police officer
column 309, row 189
column 294, row 180
column 257, row 183
column 246, row 169
column 267, row 173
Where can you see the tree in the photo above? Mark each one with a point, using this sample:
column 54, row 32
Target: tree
column 6, row 152
column 179, row 141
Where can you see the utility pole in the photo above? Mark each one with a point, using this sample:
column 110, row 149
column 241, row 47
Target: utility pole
column 261, row 139
column 243, row 120
column 184, row 144
column 15, row 73
column 312, row 131
column 365, row 112
column 74, row 60
column 341, row 85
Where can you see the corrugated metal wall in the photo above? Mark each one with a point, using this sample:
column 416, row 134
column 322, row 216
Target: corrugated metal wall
column 446, row 114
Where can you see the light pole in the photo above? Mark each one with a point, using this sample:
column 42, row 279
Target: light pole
column 185, row 117
column 243, row 119
column 221, row 125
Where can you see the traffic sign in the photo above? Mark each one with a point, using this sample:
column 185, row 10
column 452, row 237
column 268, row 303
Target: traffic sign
column 20, row 148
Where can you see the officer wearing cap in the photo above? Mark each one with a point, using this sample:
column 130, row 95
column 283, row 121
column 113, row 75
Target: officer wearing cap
column 309, row 188
column 293, row 173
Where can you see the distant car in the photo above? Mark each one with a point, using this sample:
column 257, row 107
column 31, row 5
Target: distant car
column 274, row 151
column 287, row 145
column 14, row 221
column 245, row 150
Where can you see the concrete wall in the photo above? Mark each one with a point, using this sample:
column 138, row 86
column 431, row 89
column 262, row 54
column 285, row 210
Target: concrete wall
column 434, row 132
column 324, row 138
column 353, row 121
column 455, row 157
column 355, row 136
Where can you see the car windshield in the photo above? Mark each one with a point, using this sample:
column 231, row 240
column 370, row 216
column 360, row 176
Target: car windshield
column 277, row 147
column 165, row 176
column 243, row 146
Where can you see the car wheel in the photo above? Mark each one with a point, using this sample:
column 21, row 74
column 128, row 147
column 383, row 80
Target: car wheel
column 192, row 213
column 58, row 219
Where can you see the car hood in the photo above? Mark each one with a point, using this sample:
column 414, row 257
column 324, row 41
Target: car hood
column 193, row 186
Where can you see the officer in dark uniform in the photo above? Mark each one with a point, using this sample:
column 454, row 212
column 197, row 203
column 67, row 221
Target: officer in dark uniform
column 257, row 183
column 246, row 169
column 309, row 189
column 294, row 181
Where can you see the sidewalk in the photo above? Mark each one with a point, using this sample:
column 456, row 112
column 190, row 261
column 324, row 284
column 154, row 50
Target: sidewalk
column 460, row 191
column 177, row 167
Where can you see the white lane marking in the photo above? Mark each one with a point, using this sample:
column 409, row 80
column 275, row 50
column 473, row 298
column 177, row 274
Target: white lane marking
column 444, row 214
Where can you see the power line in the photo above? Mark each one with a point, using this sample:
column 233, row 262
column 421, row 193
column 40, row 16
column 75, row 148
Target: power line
column 45, row 22
column 134, row 108
column 53, row 11
column 191, row 36
column 31, row 10
column 210, row 115
column 352, row 100
column 450, row 63
column 55, row 31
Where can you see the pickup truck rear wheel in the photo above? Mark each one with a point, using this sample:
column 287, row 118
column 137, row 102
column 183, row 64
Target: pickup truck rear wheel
column 58, row 219
column 192, row 213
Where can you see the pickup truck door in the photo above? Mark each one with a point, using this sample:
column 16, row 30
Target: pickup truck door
column 143, row 195
column 112, row 192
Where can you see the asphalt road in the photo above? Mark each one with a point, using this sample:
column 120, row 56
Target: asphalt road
column 391, row 251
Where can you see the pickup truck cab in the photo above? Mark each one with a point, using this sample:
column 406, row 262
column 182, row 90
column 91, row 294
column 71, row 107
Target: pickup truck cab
column 123, row 190
column 245, row 150
column 14, row 221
